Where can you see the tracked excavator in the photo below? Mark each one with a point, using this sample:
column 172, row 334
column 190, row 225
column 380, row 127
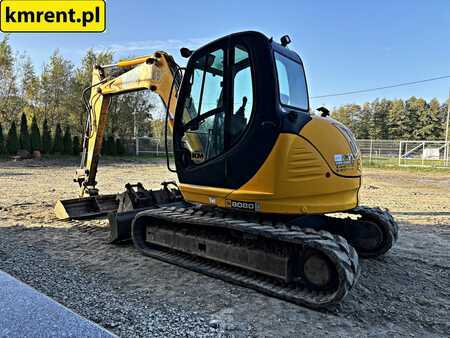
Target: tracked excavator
column 267, row 191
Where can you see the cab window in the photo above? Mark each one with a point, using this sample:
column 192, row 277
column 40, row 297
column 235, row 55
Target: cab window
column 212, row 123
column 242, row 93
column 204, row 114
column 291, row 82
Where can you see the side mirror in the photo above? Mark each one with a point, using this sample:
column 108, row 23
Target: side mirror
column 324, row 111
column 185, row 52
column 285, row 40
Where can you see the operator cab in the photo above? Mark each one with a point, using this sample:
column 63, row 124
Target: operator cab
column 238, row 94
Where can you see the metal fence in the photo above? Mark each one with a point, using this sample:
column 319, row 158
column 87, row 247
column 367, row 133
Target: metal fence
column 404, row 153
column 149, row 146
column 374, row 152
column 379, row 150
column 424, row 154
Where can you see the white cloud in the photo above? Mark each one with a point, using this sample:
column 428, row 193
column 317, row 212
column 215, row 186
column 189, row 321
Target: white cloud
column 153, row 45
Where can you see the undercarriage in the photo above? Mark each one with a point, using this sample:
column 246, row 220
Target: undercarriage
column 310, row 260
column 304, row 266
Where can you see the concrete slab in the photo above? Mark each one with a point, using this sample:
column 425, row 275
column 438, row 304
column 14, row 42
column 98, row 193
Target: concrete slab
column 25, row 312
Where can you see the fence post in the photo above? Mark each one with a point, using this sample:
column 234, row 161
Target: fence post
column 370, row 151
column 137, row 146
column 423, row 153
column 446, row 154
column 406, row 152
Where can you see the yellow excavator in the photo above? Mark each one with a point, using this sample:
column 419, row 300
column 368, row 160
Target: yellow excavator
column 267, row 191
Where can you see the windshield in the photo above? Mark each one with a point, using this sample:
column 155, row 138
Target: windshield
column 291, row 82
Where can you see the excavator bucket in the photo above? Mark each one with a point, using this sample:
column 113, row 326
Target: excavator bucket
column 86, row 207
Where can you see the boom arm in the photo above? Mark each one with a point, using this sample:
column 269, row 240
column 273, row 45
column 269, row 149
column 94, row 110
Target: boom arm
column 156, row 72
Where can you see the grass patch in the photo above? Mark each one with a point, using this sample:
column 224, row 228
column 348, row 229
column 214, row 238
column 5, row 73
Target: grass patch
column 392, row 163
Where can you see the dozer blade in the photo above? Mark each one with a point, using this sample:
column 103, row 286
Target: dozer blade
column 120, row 225
column 86, row 207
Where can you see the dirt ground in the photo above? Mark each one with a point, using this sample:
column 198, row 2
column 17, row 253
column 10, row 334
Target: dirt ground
column 404, row 293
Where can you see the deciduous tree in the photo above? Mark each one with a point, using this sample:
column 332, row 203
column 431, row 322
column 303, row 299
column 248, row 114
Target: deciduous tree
column 55, row 87
column 8, row 85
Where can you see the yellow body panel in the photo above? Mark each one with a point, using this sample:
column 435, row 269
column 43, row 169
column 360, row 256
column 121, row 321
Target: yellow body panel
column 205, row 195
column 327, row 135
column 298, row 177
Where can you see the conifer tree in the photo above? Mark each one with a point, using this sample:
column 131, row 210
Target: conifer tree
column 110, row 146
column 431, row 126
column 378, row 124
column 46, row 138
column 67, row 142
column 395, row 114
column 409, row 122
column 103, row 150
column 120, row 147
column 58, row 146
column 76, row 146
column 36, row 142
column 362, row 126
column 25, row 141
column 2, row 141
column 12, row 140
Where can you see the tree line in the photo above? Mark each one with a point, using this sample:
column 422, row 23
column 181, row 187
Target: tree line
column 411, row 119
column 54, row 96
column 31, row 139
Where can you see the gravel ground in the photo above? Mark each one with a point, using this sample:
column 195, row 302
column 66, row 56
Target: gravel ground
column 404, row 293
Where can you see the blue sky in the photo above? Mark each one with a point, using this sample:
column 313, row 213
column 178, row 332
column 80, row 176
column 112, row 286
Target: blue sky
column 345, row 45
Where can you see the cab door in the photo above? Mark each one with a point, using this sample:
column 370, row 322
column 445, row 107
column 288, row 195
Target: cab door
column 199, row 136
column 218, row 142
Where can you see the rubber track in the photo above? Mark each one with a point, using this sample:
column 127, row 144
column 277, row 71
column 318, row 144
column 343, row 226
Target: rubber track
column 343, row 256
column 387, row 223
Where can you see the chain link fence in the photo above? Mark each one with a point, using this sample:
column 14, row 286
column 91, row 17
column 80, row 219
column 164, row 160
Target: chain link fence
column 149, row 146
column 405, row 153
column 374, row 152
column 379, row 152
column 424, row 154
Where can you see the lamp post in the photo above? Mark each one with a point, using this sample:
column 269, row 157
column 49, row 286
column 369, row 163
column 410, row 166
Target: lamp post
column 135, row 131
column 446, row 131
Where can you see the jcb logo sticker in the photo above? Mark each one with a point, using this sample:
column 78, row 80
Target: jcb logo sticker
column 250, row 206
column 52, row 16
column 197, row 156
